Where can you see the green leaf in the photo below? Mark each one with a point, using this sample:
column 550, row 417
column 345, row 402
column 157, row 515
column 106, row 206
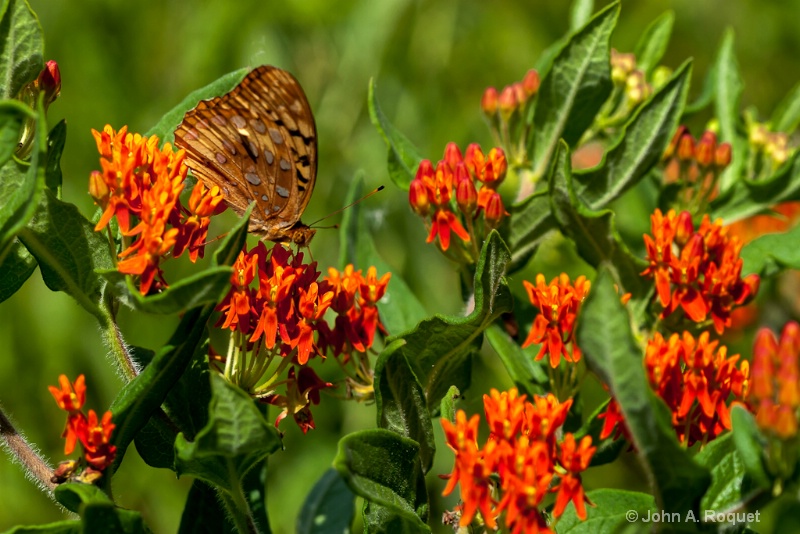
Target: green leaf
column 98, row 512
column 772, row 252
column 60, row 527
column 329, row 506
column 204, row 512
column 21, row 46
column 12, row 116
column 750, row 445
column 165, row 128
column 529, row 223
column 236, row 439
column 604, row 334
column 653, row 43
column 400, row 309
column 528, row 375
column 786, row 116
column 68, row 251
column 20, row 183
column 594, row 233
column 383, row 468
column 610, row 513
column 17, row 267
column 56, row 140
column 639, row 147
column 727, row 474
column 439, row 349
column 750, row 197
column 727, row 94
column 448, row 405
column 579, row 13
column 574, row 89
column 400, row 402
column 207, row 286
column 403, row 158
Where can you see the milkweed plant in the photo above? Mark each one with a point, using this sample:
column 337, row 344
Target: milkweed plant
column 646, row 322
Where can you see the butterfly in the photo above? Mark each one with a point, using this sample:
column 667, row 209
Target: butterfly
column 257, row 143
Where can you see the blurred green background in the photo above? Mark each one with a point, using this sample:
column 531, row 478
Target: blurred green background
column 126, row 63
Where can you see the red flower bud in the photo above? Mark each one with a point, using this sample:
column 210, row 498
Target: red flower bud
column 466, row 194
column 722, row 155
column 705, row 149
column 686, row 148
column 418, row 198
column 49, row 81
column 684, row 228
column 494, row 210
column 673, row 144
column 496, row 166
column 425, row 172
column 508, row 102
column 489, row 101
column 475, row 160
column 531, row 82
column 520, row 93
column 98, row 188
column 452, row 155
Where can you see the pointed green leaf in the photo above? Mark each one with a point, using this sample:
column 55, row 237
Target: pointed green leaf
column 21, row 47
column 400, row 309
column 727, row 95
column 165, row 128
column 594, row 233
column 438, row 350
column 403, row 156
column 528, row 375
column 653, row 42
column 383, row 468
column 329, row 506
column 529, row 223
column 12, row 116
column 204, row 512
column 579, row 13
column 727, row 474
column 400, row 402
column 236, row 439
column 604, row 334
column 640, row 146
column 772, row 252
column 17, row 267
column 574, row 89
column 98, row 512
column 750, row 445
column 786, row 116
column 613, row 511
column 60, row 527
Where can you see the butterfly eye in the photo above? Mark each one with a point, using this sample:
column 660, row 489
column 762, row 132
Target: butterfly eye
column 257, row 143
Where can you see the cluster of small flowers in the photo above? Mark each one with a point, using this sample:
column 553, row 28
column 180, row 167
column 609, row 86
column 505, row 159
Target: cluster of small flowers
column 698, row 271
column 625, row 74
column 525, row 458
column 282, row 317
column 93, row 434
column 695, row 165
column 431, row 193
column 698, row 382
column 773, row 145
column 140, row 185
column 507, row 113
column 775, row 387
column 559, row 303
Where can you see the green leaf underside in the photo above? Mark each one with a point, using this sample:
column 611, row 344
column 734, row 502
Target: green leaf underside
column 574, row 88
column 236, row 439
column 639, row 148
column 530, row 222
column 528, row 375
column 750, row 446
column 17, row 267
column 609, row 514
column 786, row 117
column 727, row 474
column 772, row 252
column 438, row 350
column 21, row 48
column 604, row 333
column 403, row 156
column 727, row 95
column 329, row 506
column 204, row 512
column 165, row 128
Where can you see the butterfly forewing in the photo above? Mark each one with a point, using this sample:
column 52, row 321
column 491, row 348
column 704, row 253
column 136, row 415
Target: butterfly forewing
column 258, row 143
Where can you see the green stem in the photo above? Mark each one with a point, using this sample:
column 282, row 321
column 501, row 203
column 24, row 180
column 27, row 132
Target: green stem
column 236, row 504
column 115, row 341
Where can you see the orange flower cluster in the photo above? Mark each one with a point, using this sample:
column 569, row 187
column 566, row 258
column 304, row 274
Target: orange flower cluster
column 698, row 271
column 559, row 303
column 698, row 382
column 93, row 434
column 522, row 461
column 513, row 98
column 775, row 387
column 140, row 185
column 276, row 308
column 695, row 165
column 431, row 193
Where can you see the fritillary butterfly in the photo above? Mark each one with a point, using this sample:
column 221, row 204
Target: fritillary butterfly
column 258, row 143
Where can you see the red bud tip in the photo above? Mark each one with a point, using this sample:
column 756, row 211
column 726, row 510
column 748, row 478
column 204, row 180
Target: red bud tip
column 531, row 82
column 706, row 149
column 686, row 148
column 452, row 155
column 508, row 102
column 418, row 198
column 489, row 101
column 722, row 155
column 49, row 81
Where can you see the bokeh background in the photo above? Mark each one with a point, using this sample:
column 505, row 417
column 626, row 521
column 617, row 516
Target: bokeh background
column 126, row 63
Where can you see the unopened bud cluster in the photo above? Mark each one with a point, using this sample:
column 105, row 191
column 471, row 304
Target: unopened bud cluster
column 507, row 111
column 695, row 165
column 768, row 150
column 625, row 75
column 448, row 195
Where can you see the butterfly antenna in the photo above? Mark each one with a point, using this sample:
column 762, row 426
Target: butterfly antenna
column 365, row 197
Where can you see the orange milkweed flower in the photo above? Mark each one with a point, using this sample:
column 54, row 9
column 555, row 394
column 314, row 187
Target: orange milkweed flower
column 559, row 303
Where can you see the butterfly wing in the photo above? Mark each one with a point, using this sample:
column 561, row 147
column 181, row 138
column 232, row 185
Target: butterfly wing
column 258, row 143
